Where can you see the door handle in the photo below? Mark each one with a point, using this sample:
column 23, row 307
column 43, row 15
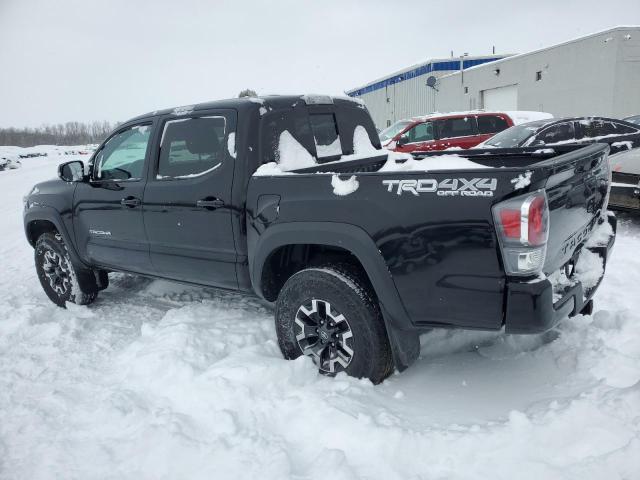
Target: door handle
column 210, row 203
column 130, row 202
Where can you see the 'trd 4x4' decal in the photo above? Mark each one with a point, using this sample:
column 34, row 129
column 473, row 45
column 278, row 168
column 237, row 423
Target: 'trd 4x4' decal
column 449, row 187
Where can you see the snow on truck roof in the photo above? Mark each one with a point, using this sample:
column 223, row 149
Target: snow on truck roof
column 261, row 103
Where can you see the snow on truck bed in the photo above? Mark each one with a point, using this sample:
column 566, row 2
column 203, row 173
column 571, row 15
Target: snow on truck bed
column 160, row 380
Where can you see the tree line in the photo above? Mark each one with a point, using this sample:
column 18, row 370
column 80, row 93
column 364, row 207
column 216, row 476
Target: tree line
column 69, row 133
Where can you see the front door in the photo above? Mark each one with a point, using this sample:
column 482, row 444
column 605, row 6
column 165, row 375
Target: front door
column 419, row 138
column 108, row 209
column 187, row 202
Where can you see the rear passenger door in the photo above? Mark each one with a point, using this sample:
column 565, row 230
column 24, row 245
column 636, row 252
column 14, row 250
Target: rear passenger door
column 187, row 206
column 456, row 132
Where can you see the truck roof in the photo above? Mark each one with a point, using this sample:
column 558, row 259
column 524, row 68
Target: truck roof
column 265, row 102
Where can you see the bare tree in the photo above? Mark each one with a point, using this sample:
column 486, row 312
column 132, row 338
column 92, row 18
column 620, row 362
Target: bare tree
column 247, row 93
column 70, row 133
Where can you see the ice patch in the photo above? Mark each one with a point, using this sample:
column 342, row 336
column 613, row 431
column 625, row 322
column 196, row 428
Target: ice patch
column 344, row 187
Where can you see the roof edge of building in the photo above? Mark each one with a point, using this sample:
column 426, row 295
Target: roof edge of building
column 550, row 47
column 417, row 66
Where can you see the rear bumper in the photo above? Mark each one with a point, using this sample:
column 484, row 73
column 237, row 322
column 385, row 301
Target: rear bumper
column 531, row 307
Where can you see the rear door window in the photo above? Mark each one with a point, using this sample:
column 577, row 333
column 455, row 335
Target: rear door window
column 325, row 134
column 191, row 146
column 491, row 124
column 456, row 127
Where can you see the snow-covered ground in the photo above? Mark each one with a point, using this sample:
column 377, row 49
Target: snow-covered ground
column 158, row 380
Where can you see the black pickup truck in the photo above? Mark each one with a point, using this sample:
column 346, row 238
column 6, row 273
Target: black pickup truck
column 290, row 198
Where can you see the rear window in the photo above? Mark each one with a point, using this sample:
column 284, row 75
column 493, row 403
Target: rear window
column 601, row 128
column 319, row 136
column 491, row 124
column 455, row 127
column 325, row 135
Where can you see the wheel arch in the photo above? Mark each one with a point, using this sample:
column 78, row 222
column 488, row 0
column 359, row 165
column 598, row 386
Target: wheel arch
column 318, row 238
column 46, row 219
column 337, row 239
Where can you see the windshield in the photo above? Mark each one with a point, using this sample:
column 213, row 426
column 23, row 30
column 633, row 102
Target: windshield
column 512, row 137
column 390, row 132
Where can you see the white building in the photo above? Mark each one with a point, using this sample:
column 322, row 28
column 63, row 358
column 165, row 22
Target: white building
column 598, row 74
column 405, row 93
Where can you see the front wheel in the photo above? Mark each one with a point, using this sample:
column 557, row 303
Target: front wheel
column 329, row 314
column 60, row 279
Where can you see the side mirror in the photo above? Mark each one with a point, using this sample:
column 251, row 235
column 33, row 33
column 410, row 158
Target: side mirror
column 72, row 171
column 403, row 140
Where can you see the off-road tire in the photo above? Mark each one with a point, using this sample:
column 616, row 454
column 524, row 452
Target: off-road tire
column 77, row 285
column 344, row 289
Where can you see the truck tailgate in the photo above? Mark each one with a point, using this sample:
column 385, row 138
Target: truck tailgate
column 577, row 186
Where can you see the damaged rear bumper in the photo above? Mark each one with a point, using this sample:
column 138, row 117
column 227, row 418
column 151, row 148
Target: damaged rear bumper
column 530, row 307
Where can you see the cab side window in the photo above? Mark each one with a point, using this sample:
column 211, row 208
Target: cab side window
column 191, row 146
column 122, row 157
column 562, row 132
column 423, row 132
column 491, row 124
column 456, row 127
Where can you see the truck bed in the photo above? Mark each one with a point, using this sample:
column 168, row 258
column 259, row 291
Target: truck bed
column 439, row 244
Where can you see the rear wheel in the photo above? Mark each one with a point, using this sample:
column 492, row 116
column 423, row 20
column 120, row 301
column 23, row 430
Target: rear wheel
column 329, row 314
column 60, row 279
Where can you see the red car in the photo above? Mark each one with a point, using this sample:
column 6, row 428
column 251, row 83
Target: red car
column 440, row 131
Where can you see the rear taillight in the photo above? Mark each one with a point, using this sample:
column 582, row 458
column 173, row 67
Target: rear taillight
column 522, row 225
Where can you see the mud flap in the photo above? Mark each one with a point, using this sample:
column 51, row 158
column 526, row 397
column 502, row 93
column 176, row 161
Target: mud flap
column 405, row 344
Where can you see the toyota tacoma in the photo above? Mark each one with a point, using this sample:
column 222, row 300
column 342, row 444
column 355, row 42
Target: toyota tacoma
column 292, row 199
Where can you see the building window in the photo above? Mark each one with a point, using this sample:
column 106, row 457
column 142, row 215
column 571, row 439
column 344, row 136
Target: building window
column 466, row 90
column 538, row 75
